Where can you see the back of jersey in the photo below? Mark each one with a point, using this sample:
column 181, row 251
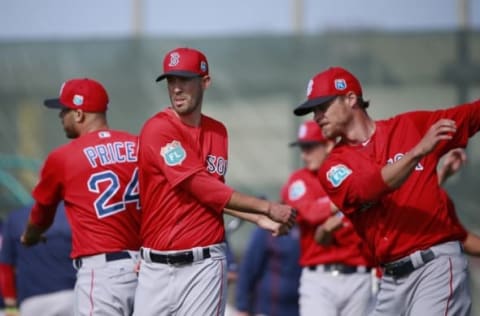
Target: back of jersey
column 97, row 177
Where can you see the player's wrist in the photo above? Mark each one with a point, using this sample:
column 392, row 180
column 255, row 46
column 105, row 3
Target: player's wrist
column 266, row 208
column 416, row 154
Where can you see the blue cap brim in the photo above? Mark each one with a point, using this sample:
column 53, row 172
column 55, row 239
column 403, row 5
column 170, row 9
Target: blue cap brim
column 179, row 73
column 53, row 104
column 308, row 106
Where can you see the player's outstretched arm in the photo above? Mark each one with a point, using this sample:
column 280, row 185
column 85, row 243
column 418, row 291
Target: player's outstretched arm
column 41, row 218
column 280, row 213
column 221, row 196
column 323, row 233
column 396, row 173
column 262, row 221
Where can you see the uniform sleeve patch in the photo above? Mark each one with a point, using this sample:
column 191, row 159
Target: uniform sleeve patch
column 173, row 153
column 296, row 190
column 337, row 174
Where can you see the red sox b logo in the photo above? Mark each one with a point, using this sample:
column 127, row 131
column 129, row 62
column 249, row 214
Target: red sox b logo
column 174, row 59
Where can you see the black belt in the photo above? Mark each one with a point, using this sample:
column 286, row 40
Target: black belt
column 183, row 257
column 402, row 268
column 341, row 268
column 111, row 256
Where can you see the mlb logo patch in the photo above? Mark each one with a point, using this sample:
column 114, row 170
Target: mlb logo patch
column 78, row 100
column 203, row 66
column 104, row 134
column 340, row 84
column 173, row 153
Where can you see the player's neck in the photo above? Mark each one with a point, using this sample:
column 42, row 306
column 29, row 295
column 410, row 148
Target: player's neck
column 193, row 118
column 362, row 129
column 93, row 127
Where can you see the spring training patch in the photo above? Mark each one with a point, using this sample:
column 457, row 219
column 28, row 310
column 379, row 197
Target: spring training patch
column 337, row 174
column 296, row 190
column 173, row 153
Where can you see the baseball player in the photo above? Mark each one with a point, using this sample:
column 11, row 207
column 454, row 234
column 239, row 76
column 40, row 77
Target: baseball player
column 38, row 281
column 382, row 175
column 96, row 176
column 452, row 162
column 269, row 275
column 182, row 166
column 336, row 278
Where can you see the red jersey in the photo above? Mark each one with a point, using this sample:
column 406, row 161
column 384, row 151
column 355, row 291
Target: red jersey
column 96, row 175
column 174, row 217
column 304, row 192
column 417, row 215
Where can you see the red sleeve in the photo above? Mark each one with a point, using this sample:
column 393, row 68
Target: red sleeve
column 308, row 198
column 314, row 212
column 49, row 190
column 165, row 150
column 208, row 190
column 351, row 187
column 42, row 215
column 7, row 281
column 466, row 116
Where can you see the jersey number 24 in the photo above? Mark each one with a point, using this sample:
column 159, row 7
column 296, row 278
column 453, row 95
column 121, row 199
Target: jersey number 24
column 106, row 204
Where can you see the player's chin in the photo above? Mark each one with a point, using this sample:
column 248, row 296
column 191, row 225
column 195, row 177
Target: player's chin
column 70, row 134
column 328, row 132
column 312, row 166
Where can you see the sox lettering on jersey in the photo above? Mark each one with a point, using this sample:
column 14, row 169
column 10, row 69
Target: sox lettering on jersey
column 397, row 157
column 216, row 164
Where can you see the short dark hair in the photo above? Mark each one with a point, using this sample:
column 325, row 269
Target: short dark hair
column 362, row 103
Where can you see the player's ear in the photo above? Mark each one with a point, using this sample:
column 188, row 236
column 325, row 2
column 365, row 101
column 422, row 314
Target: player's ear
column 79, row 116
column 351, row 99
column 206, row 81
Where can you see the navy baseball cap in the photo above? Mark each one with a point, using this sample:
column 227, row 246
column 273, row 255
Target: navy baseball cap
column 83, row 94
column 326, row 86
column 184, row 62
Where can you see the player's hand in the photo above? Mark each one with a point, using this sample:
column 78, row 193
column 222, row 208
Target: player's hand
column 333, row 223
column 323, row 233
column 443, row 129
column 282, row 213
column 452, row 162
column 29, row 239
column 277, row 229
